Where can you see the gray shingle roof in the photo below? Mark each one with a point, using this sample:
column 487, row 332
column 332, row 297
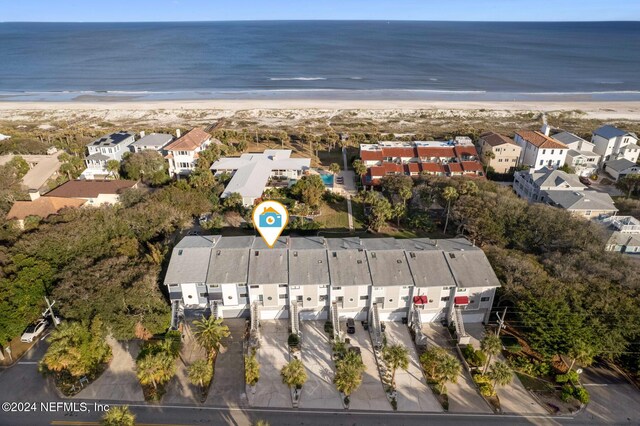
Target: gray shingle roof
column 619, row 165
column 154, row 139
column 389, row 268
column 567, row 137
column 268, row 266
column 228, row 266
column 582, row 200
column 471, row 268
column 308, row 267
column 609, row 132
column 348, row 267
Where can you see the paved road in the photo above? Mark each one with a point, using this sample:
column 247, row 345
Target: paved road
column 319, row 391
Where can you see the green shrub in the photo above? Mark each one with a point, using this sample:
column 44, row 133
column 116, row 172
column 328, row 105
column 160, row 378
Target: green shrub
column 294, row 340
column 484, row 385
column 328, row 327
column 570, row 377
column 511, row 344
column 581, row 395
column 475, row 358
column 567, row 393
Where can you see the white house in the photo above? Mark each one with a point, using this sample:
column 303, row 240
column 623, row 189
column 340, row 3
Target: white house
column 621, row 168
column 251, row 172
column 101, row 151
column 624, row 234
column 240, row 276
column 613, row 144
column 580, row 155
column 152, row 141
column 182, row 153
column 563, row 190
column 539, row 150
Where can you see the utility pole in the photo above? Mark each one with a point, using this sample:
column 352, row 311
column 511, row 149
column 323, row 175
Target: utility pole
column 501, row 321
column 50, row 310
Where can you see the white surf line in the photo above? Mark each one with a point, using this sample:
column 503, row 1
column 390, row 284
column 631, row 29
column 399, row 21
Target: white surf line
column 352, row 412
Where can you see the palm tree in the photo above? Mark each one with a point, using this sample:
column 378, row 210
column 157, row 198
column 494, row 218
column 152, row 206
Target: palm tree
column 294, row 374
column 155, row 369
column 118, row 416
column 251, row 369
column 200, row 373
column 209, row 334
column 112, row 167
column 448, row 370
column 449, row 194
column 348, row 377
column 500, row 374
column 395, row 356
column 359, row 167
column 490, row 345
column 334, row 168
column 488, row 156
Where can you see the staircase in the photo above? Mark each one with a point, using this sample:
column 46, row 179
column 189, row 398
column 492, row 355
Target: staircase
column 416, row 324
column 175, row 314
column 295, row 318
column 214, row 310
column 335, row 320
column 463, row 337
column 255, row 317
column 374, row 326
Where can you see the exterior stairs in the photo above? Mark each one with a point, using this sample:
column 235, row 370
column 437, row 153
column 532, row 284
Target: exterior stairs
column 295, row 318
column 374, row 326
column 335, row 320
column 463, row 337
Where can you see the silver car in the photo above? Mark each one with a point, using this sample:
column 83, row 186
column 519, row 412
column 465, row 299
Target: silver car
column 33, row 331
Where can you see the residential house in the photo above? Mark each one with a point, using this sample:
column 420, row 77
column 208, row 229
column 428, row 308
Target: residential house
column 152, row 141
column 94, row 192
column 453, row 158
column 41, row 207
column 505, row 152
column 182, row 153
column 614, row 144
column 441, row 279
column 624, row 234
column 41, row 168
column 252, row 173
column 580, row 155
column 103, row 150
column 563, row 190
column 620, row 168
column 538, row 150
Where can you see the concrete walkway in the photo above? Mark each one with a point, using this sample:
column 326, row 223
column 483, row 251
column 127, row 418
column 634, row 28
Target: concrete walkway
column 272, row 356
column 319, row 391
column 370, row 395
column 348, row 186
column 413, row 392
column 514, row 397
column 463, row 396
column 119, row 382
column 228, row 387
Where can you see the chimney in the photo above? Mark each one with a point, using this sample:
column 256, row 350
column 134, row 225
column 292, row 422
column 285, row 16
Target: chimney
column 34, row 194
column 142, row 133
column 546, row 129
column 177, row 133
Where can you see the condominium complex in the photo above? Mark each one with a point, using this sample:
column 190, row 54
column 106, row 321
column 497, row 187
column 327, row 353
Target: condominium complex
column 234, row 276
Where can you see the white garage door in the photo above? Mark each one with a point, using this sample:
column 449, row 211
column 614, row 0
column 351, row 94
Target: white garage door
column 313, row 315
column 266, row 314
column 475, row 317
column 426, row 316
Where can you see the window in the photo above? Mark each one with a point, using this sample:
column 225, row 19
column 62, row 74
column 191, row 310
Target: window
column 405, row 286
column 295, row 287
column 244, row 295
column 445, row 288
column 544, row 151
column 541, row 162
column 405, row 298
column 323, row 286
column 322, row 298
column 282, row 296
column 485, row 299
column 444, row 299
column 552, row 151
column 214, row 285
column 173, row 285
column 587, row 213
column 336, row 288
column 460, row 290
column 282, row 285
column 308, row 299
column 299, row 298
column 205, row 295
column 365, row 297
column 254, row 286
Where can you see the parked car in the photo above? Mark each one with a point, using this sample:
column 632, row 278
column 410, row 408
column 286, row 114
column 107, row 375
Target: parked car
column 585, row 180
column 365, row 324
column 382, row 326
column 351, row 326
column 33, row 331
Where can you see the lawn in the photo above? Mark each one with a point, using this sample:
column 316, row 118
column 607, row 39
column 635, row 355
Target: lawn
column 334, row 216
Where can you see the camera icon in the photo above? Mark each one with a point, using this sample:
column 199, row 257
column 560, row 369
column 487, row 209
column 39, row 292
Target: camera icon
column 270, row 218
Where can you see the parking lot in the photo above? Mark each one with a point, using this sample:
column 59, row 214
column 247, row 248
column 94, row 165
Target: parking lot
column 413, row 392
column 319, row 391
column 272, row 356
column 370, row 395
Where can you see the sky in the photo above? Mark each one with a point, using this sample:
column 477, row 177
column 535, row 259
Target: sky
column 231, row 10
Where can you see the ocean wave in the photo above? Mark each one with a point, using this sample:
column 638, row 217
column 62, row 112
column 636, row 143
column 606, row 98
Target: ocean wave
column 296, row 78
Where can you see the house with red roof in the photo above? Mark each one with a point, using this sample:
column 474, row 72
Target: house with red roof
column 182, row 153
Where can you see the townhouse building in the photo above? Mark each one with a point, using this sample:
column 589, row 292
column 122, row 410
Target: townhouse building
column 504, row 150
column 614, row 144
column 458, row 157
column 309, row 275
column 538, row 150
column 103, row 150
column 182, row 154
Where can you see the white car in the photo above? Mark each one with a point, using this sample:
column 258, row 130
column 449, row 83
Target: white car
column 33, row 331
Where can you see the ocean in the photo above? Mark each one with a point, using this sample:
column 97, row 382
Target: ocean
column 320, row 59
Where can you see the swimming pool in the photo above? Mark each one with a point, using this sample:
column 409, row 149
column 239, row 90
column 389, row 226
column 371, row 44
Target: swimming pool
column 327, row 179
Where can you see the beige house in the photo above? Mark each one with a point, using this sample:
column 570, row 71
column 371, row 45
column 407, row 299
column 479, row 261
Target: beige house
column 505, row 151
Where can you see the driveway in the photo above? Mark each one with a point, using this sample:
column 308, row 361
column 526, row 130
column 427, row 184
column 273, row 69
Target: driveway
column 228, row 387
column 119, row 381
column 319, row 391
column 514, row 397
column 370, row 395
column 23, row 382
column 272, row 356
column 613, row 399
column 413, row 392
column 463, row 396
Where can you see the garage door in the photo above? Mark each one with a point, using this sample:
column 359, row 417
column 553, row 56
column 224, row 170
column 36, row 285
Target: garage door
column 472, row 317
column 313, row 315
column 426, row 316
column 267, row 314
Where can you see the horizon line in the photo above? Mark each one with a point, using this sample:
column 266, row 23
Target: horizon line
column 321, row 20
